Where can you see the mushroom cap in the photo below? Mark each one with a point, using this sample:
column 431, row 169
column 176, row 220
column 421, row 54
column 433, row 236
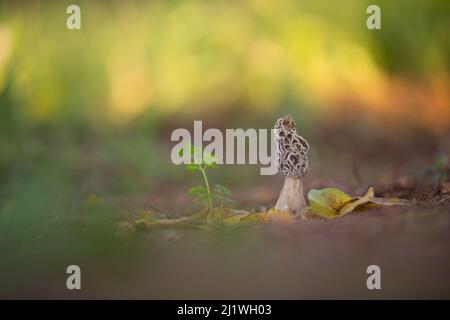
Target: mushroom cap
column 292, row 149
column 286, row 123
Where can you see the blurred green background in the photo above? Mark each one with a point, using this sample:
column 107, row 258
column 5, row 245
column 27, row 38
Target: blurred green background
column 86, row 115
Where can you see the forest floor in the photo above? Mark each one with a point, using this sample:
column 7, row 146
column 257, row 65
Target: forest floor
column 309, row 258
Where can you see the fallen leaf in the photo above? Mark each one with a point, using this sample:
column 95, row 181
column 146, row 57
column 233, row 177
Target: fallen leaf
column 332, row 203
column 280, row 216
column 217, row 214
column 391, row 201
column 355, row 202
column 327, row 202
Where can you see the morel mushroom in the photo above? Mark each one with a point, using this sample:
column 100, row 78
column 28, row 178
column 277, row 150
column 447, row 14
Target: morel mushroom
column 292, row 162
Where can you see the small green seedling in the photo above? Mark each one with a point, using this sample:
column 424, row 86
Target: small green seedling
column 219, row 195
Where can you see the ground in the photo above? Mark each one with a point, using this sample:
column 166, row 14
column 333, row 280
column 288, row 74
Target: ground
column 47, row 227
column 312, row 258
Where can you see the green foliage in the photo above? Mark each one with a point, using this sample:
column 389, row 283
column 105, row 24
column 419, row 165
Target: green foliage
column 200, row 193
column 221, row 195
column 218, row 195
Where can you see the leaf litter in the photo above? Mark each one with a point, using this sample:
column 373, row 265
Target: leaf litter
column 327, row 203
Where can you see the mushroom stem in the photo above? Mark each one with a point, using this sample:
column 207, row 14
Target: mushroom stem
column 291, row 196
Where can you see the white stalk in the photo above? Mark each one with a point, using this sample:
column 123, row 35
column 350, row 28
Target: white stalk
column 291, row 196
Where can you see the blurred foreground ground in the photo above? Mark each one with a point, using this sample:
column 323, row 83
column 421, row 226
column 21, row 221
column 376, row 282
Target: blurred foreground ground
column 311, row 258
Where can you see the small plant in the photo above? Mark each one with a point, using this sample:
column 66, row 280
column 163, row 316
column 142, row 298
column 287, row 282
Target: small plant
column 218, row 196
column 221, row 195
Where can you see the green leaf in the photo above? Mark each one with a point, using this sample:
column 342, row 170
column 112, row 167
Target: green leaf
column 209, row 159
column 192, row 167
column 197, row 191
column 194, row 152
column 327, row 202
column 221, row 190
